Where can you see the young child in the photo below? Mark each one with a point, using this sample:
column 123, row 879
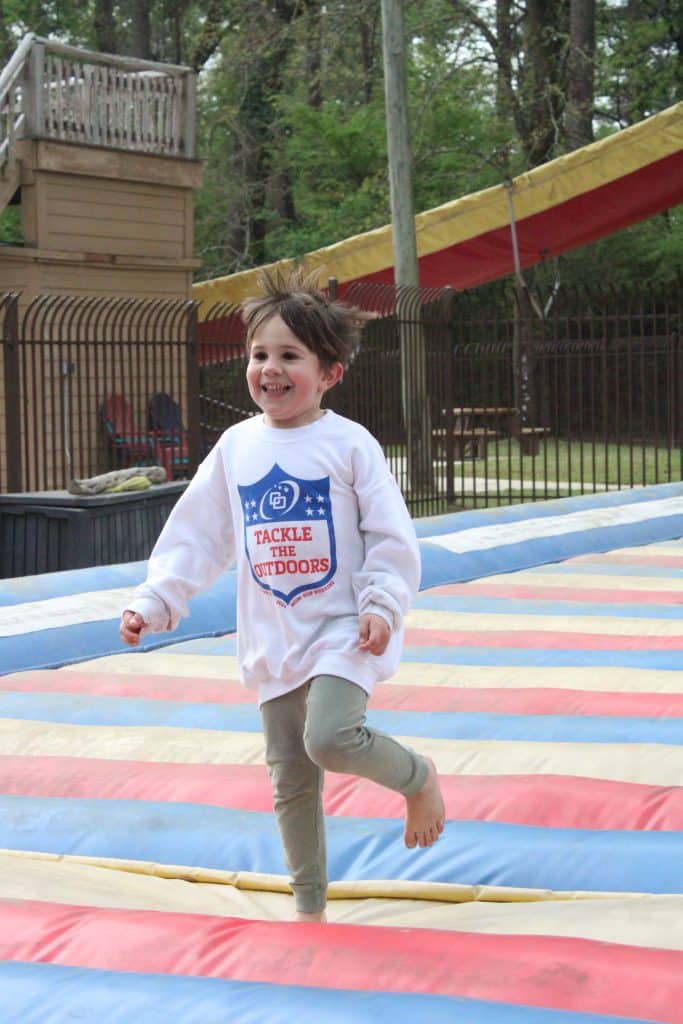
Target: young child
column 327, row 563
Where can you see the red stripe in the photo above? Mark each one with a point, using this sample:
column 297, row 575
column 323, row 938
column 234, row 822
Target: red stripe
column 545, row 640
column 527, row 592
column 532, row 970
column 187, row 690
column 388, row 697
column 553, row 801
column 560, row 228
column 531, row 701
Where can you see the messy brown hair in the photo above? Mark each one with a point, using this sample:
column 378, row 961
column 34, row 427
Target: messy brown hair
column 326, row 326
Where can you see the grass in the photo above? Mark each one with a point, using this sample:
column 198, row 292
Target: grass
column 576, row 462
column 560, row 469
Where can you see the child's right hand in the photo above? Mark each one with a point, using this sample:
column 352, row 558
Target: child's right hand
column 131, row 627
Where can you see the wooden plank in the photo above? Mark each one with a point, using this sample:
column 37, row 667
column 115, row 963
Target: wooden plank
column 66, row 208
column 89, row 190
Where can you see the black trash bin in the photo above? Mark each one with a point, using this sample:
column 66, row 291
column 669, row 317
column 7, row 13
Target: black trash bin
column 47, row 531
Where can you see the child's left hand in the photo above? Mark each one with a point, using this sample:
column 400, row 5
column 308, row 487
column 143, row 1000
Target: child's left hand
column 374, row 634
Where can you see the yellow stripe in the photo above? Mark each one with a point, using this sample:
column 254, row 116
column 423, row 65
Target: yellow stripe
column 633, row 919
column 579, row 581
column 593, row 624
column 654, row 764
column 161, row 663
column 666, row 548
column 415, row 673
column 628, row 918
column 539, row 189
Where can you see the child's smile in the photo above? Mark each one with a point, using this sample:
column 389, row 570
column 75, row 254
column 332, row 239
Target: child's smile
column 285, row 378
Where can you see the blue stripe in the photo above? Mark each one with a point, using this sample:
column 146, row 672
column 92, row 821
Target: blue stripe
column 78, row 709
column 75, row 581
column 441, row 566
column 507, row 656
column 52, row 994
column 435, row 526
column 499, row 656
column 520, row 605
column 213, row 612
column 469, row 852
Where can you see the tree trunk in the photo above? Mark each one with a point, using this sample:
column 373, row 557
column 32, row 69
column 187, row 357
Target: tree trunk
column 504, row 103
column 580, row 74
column 366, row 28
column 313, row 54
column 542, row 87
column 140, row 28
column 105, row 28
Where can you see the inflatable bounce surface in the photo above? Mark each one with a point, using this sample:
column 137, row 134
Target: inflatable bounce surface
column 142, row 877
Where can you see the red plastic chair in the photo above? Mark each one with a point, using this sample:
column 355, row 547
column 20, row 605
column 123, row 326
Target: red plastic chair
column 131, row 446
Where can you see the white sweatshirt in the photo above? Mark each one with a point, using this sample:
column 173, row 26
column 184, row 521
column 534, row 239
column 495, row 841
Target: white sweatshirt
column 320, row 533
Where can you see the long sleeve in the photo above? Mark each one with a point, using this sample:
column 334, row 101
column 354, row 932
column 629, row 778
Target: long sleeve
column 389, row 579
column 196, row 544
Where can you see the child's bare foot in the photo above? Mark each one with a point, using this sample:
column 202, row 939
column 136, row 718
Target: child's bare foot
column 425, row 812
column 318, row 915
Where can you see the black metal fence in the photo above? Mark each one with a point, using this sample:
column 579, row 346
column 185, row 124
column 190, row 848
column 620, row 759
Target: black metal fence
column 475, row 398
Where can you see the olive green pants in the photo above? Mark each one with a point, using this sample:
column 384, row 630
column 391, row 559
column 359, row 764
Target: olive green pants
column 321, row 726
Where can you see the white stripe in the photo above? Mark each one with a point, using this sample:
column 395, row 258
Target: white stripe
column 656, row 764
column 56, row 612
column 497, row 622
column 627, row 918
column 481, row 538
column 560, row 575
column 101, row 605
column 410, row 673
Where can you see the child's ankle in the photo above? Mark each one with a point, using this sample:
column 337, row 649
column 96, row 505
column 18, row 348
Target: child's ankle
column 315, row 915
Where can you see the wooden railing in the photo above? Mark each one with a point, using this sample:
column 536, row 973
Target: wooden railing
column 49, row 90
column 13, row 103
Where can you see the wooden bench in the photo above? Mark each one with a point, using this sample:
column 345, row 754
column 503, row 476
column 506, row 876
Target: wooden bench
column 529, row 439
column 466, row 443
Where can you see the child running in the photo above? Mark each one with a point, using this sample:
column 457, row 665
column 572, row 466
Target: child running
column 327, row 562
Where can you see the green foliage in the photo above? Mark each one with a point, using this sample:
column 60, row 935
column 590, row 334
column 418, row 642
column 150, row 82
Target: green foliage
column 291, row 112
column 10, row 226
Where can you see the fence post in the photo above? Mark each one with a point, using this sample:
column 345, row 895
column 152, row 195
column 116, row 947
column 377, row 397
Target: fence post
column 192, row 377
column 35, row 97
column 10, row 345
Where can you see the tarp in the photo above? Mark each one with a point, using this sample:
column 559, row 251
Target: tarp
column 561, row 205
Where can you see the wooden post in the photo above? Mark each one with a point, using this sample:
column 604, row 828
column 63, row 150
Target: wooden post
column 415, row 400
column 35, row 113
column 406, row 270
column 189, row 83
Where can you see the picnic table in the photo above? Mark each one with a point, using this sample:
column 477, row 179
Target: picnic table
column 470, row 428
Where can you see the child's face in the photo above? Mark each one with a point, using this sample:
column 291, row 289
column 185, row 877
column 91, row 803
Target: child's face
column 285, row 378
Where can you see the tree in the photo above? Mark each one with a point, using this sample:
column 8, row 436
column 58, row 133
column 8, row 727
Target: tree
column 104, row 27
column 580, row 73
column 140, row 30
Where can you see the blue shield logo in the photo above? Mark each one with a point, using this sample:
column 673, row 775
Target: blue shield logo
column 289, row 533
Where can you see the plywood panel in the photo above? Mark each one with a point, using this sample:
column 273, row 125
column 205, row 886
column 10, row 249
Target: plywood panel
column 113, row 193
column 173, row 213
column 121, row 218
column 93, row 280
